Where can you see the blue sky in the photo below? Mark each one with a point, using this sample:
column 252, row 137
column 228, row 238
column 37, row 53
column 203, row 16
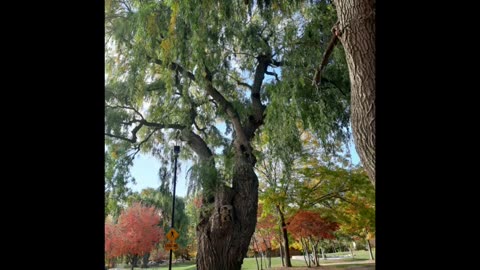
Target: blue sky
column 145, row 171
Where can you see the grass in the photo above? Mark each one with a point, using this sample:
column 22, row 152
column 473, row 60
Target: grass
column 176, row 266
column 347, row 266
column 250, row 263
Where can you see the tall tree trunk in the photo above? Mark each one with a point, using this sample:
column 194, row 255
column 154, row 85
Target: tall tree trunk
column 224, row 231
column 280, row 250
column 269, row 258
column 134, row 261
column 145, row 260
column 268, row 251
column 261, row 259
column 260, row 255
column 370, row 250
column 285, row 237
column 256, row 260
column 357, row 34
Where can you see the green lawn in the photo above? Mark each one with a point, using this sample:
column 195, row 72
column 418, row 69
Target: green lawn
column 176, row 266
column 348, row 266
column 250, row 264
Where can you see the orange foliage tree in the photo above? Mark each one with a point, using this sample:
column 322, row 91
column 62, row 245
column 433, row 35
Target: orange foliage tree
column 136, row 233
column 309, row 228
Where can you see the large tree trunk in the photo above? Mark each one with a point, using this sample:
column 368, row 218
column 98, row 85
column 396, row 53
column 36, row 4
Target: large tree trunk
column 357, row 34
column 225, row 231
column 285, row 237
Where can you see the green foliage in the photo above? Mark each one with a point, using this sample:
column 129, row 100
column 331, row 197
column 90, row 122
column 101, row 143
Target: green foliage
column 204, row 175
column 117, row 175
column 357, row 210
column 324, row 110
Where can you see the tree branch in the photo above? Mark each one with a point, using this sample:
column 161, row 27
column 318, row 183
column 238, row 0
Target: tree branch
column 227, row 107
column 126, row 6
column 141, row 124
column 125, row 107
column 345, row 200
column 256, row 120
column 240, row 83
column 273, row 74
column 326, row 55
column 119, row 137
column 142, row 142
column 327, row 196
column 173, row 66
column 278, row 63
column 198, row 145
column 336, row 86
column 235, row 53
column 193, row 115
column 214, row 103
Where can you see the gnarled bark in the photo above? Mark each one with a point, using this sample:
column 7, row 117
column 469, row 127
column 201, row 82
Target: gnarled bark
column 357, row 35
column 224, row 233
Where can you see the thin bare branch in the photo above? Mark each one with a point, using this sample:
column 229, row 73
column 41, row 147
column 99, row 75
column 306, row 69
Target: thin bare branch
column 240, row 83
column 273, row 74
column 125, row 107
column 331, row 45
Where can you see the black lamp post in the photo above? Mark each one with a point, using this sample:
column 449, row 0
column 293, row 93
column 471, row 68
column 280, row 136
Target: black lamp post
column 176, row 151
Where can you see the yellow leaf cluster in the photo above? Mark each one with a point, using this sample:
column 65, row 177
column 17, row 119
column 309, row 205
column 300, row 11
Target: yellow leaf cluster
column 151, row 25
column 173, row 18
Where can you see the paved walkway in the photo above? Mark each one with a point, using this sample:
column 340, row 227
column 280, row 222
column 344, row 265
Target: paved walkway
column 353, row 262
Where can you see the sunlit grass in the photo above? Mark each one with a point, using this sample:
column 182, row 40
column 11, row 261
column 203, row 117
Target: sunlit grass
column 250, row 263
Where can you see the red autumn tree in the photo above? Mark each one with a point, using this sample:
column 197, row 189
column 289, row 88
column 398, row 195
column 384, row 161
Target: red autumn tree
column 135, row 235
column 111, row 237
column 309, row 228
column 265, row 229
